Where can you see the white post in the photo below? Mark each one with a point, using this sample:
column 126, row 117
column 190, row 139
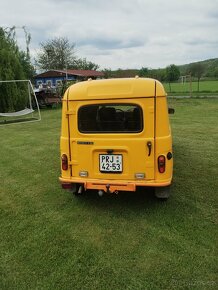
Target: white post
column 29, row 93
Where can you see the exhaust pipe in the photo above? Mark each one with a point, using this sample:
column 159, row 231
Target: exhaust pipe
column 80, row 190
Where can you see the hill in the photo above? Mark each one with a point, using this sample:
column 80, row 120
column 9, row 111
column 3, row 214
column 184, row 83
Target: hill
column 210, row 67
column 210, row 70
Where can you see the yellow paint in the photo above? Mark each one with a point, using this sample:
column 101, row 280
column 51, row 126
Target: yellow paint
column 83, row 149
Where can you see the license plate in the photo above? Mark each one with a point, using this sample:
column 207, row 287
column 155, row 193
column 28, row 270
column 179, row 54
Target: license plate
column 111, row 163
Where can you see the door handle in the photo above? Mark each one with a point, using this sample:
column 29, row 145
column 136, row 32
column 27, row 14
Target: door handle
column 149, row 145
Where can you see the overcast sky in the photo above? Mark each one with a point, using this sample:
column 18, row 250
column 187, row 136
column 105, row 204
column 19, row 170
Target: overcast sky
column 121, row 33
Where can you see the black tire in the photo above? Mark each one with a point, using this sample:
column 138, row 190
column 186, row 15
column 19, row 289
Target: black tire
column 162, row 193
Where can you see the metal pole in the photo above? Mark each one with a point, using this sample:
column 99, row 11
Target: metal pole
column 66, row 73
column 190, row 84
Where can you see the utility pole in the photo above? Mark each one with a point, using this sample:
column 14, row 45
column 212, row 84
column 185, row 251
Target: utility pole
column 66, row 70
column 48, row 51
column 66, row 74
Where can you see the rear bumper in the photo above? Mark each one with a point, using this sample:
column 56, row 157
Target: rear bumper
column 113, row 185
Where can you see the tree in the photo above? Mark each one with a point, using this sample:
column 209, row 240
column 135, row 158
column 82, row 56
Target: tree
column 56, row 53
column 172, row 74
column 196, row 70
column 23, row 56
column 12, row 62
column 26, row 64
column 83, row 63
column 59, row 53
column 107, row 73
column 144, row 72
column 215, row 73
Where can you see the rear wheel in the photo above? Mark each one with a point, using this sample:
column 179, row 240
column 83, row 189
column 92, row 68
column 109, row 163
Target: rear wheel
column 162, row 193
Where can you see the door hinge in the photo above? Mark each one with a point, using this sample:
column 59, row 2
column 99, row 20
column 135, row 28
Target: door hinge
column 70, row 112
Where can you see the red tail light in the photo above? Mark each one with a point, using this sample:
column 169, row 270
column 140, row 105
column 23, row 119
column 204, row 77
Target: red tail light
column 161, row 163
column 64, row 162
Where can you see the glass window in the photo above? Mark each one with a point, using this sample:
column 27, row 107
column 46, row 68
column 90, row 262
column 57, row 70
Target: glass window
column 110, row 118
column 49, row 83
column 58, row 83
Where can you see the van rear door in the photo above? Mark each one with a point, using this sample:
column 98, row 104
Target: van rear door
column 113, row 139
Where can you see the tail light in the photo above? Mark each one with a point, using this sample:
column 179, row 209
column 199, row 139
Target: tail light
column 64, row 162
column 161, row 163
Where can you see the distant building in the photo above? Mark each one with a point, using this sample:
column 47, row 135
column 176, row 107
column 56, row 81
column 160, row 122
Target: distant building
column 53, row 78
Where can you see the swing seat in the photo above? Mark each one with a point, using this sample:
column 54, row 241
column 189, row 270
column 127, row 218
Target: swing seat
column 17, row 114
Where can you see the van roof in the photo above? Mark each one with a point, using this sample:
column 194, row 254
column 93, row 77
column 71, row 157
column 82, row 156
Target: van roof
column 115, row 88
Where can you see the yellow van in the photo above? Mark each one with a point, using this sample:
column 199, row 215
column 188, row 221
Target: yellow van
column 116, row 137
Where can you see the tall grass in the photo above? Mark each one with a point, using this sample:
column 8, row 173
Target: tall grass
column 51, row 240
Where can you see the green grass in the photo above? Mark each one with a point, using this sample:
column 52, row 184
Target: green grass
column 51, row 240
column 205, row 88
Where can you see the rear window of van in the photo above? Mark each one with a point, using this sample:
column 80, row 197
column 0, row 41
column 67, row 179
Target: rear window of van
column 110, row 118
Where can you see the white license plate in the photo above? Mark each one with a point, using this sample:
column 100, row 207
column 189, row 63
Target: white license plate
column 111, row 162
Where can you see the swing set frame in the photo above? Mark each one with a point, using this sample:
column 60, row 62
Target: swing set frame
column 16, row 117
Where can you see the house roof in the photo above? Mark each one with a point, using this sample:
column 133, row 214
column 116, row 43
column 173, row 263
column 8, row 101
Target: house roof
column 82, row 73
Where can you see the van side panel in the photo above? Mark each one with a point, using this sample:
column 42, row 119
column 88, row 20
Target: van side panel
column 163, row 139
column 64, row 141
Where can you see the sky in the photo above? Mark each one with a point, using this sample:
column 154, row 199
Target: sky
column 126, row 34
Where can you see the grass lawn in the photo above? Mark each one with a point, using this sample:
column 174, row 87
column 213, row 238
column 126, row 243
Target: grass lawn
column 51, row 240
column 205, row 88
